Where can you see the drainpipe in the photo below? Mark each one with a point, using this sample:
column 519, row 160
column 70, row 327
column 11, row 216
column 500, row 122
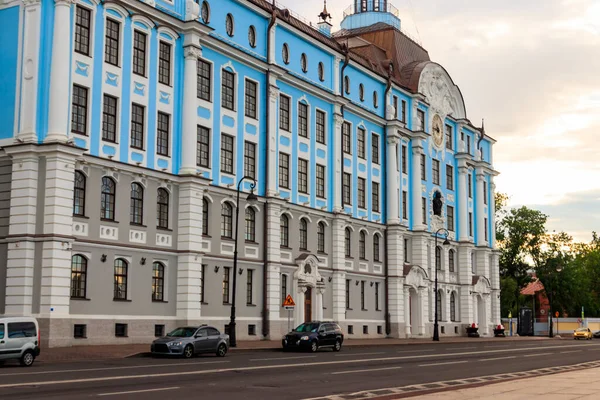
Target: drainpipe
column 265, row 311
column 388, row 327
column 346, row 61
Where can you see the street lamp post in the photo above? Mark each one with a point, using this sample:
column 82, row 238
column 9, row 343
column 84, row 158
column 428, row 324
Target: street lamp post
column 436, row 334
column 250, row 199
column 551, row 295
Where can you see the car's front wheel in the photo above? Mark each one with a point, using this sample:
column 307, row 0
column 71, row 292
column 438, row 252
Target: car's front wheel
column 188, row 351
column 314, row 346
column 338, row 345
column 221, row 350
column 27, row 359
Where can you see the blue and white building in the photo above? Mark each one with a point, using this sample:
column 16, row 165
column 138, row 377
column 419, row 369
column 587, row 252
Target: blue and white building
column 127, row 125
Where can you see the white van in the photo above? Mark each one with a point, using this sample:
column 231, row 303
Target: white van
column 19, row 339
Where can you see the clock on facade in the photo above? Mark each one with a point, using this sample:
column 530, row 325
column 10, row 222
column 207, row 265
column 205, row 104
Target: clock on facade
column 437, row 130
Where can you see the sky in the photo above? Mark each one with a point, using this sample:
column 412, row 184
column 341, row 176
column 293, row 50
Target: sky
column 531, row 68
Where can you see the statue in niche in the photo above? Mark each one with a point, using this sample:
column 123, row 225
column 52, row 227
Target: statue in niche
column 437, row 204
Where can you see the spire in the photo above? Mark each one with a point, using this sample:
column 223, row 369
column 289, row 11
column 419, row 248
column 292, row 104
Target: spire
column 324, row 14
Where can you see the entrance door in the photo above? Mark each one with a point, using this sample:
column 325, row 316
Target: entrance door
column 308, row 305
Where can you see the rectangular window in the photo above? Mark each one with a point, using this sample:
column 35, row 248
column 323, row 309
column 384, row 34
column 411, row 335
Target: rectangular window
column 361, row 193
column 109, row 119
column 423, row 170
column 284, row 170
column 406, row 250
column 348, row 294
column 485, row 230
column 137, row 126
column 283, row 287
column 82, row 30
column 111, row 42
column 361, row 143
column 284, row 113
column 302, row 176
column 79, row 331
column 421, row 120
column 346, row 138
column 404, row 204
column 362, row 295
column 375, row 196
column 228, row 90
column 203, row 283
column 320, row 116
column 485, row 201
column 227, row 154
column 449, row 137
column 164, row 63
column 469, row 144
column 139, row 53
column 470, row 182
column 302, row 120
column 424, row 210
column 449, row 177
column 450, row 218
column 226, row 273
column 320, row 181
column 403, row 114
column 79, row 104
column 252, row 330
column 250, row 94
column 397, row 160
column 347, row 189
column 250, row 159
column 249, row 287
column 159, row 330
column 203, row 87
column 435, row 165
column 375, row 148
column 162, row 134
column 470, row 224
column 121, row 330
column 395, row 107
column 202, row 146
column 377, row 300
column 404, row 160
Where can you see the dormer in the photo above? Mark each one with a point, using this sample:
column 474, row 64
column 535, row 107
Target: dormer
column 369, row 12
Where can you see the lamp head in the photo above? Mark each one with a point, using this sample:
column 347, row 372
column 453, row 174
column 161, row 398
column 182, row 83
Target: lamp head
column 252, row 199
column 446, row 242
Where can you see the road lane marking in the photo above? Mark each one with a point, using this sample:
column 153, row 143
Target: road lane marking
column 415, row 351
column 537, row 355
column 363, row 370
column 443, row 363
column 497, row 347
column 357, row 354
column 280, row 358
column 498, row 358
column 113, row 368
column 572, row 351
column 463, row 348
column 138, row 391
column 266, row 367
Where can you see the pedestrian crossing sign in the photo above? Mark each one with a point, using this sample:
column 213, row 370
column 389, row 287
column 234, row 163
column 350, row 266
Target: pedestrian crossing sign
column 289, row 302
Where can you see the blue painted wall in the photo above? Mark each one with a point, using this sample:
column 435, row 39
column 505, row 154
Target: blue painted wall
column 9, row 48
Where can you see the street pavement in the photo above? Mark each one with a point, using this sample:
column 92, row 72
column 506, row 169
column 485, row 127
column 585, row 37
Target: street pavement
column 278, row 375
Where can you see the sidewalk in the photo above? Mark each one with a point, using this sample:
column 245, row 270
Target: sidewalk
column 582, row 384
column 88, row 353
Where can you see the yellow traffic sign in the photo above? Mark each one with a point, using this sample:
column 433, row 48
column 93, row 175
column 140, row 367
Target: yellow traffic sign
column 289, row 302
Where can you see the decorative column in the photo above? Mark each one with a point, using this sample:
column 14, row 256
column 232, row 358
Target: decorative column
column 273, row 134
column 60, row 86
column 407, row 311
column 273, row 257
column 423, row 307
column 29, row 78
column 300, row 305
column 190, row 105
column 393, row 178
column 417, row 151
column 337, row 156
column 492, row 208
column 336, row 75
column 480, row 218
column 463, row 198
column 319, row 304
column 189, row 246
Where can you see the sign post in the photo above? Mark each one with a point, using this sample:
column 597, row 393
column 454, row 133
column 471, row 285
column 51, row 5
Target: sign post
column 289, row 305
column 556, row 314
column 510, row 322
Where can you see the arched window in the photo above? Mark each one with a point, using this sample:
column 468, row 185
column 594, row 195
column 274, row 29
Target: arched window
column 204, row 216
column 347, row 84
column 229, row 25
column 79, row 194
column 250, row 225
column 321, row 72
column 205, row 12
column 452, row 307
column 303, row 234
column 284, row 290
column 285, row 53
column 451, row 260
column 252, row 36
column 304, row 62
column 227, row 221
column 78, row 276
column 321, row 237
column 162, row 208
column 439, row 304
column 136, row 206
column 120, row 290
column 107, row 200
column 362, row 245
column 376, row 248
column 158, row 281
column 284, row 227
column 438, row 257
column 347, row 242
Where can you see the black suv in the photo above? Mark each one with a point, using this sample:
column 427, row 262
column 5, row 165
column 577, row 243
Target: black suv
column 313, row 335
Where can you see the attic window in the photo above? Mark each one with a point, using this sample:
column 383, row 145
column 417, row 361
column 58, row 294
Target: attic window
column 304, row 63
column 375, row 100
column 205, row 12
column 285, row 53
column 229, row 25
column 321, row 72
column 361, row 92
column 347, row 84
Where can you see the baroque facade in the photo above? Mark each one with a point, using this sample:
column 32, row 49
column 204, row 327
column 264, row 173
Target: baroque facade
column 127, row 125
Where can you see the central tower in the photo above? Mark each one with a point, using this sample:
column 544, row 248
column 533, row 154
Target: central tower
column 369, row 12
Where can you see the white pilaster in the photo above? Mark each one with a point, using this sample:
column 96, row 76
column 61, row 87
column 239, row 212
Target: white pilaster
column 480, row 214
column 189, row 245
column 337, row 149
column 190, row 106
column 492, row 208
column 463, row 198
column 29, row 77
column 60, row 86
column 318, row 304
column 336, row 75
column 273, row 257
column 424, row 307
column 273, row 134
column 393, row 178
column 417, row 219
column 339, row 277
column 407, row 311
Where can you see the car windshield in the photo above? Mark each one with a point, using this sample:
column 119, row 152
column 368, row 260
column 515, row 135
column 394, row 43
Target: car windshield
column 582, row 330
column 182, row 332
column 307, row 328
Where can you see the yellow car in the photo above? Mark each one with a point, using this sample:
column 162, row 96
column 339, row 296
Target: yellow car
column 583, row 333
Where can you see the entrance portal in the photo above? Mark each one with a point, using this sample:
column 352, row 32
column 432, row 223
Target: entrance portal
column 308, row 304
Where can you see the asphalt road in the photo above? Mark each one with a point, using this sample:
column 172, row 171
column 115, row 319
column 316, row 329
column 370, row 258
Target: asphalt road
column 279, row 375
